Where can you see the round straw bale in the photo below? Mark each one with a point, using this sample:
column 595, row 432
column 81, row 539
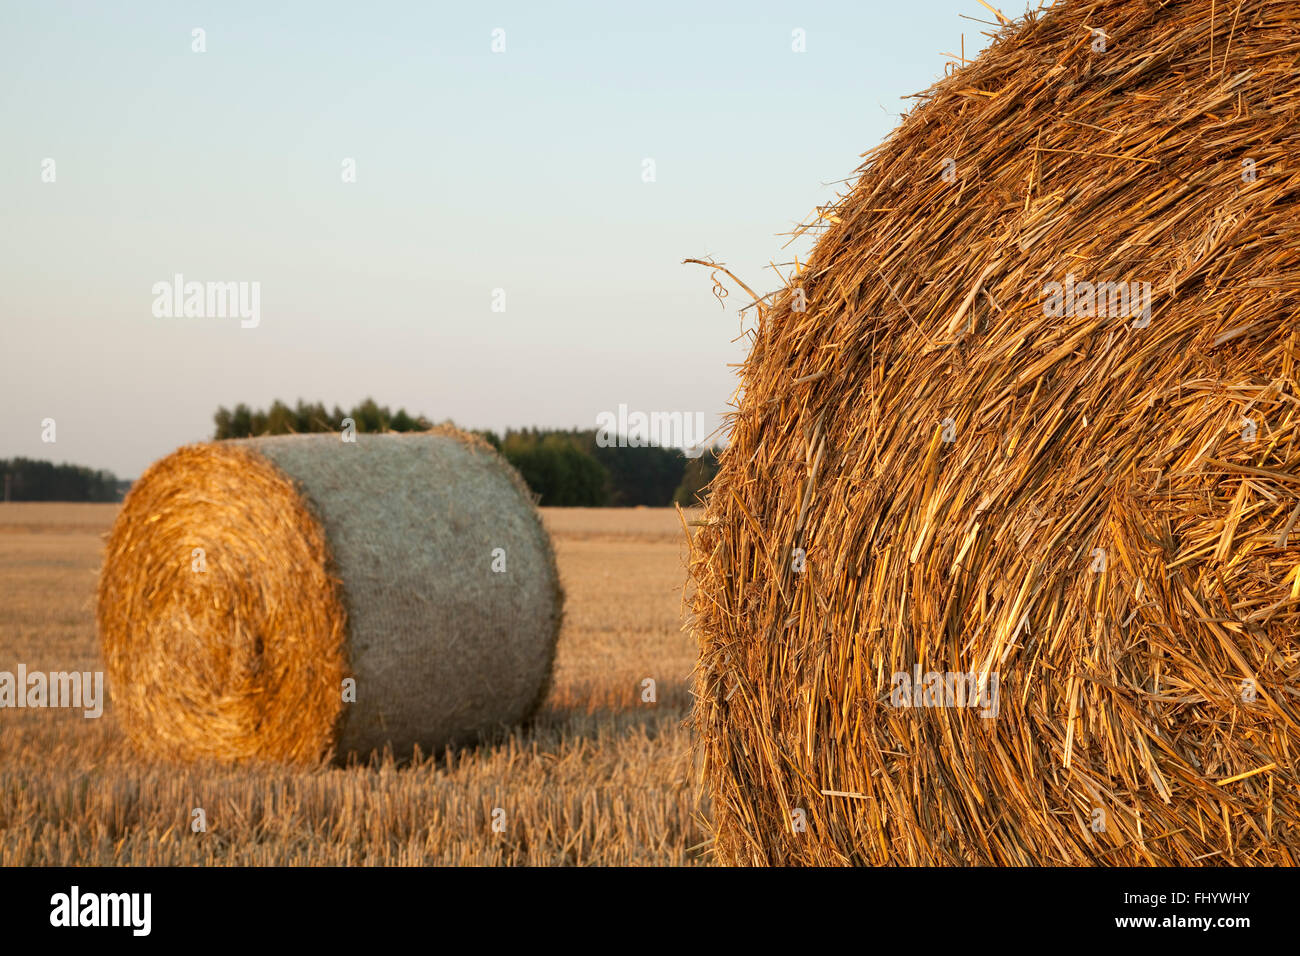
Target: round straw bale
column 249, row 587
column 966, row 448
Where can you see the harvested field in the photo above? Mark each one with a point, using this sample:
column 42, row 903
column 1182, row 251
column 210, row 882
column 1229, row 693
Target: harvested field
column 601, row 778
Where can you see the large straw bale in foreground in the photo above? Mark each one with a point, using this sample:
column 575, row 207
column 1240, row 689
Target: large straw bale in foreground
column 245, row 581
column 1098, row 510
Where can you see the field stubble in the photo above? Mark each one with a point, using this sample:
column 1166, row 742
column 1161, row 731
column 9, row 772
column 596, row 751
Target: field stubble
column 601, row 777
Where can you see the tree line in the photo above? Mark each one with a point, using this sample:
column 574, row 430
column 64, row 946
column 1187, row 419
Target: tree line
column 564, row 468
column 25, row 479
column 570, row 468
column 244, row 422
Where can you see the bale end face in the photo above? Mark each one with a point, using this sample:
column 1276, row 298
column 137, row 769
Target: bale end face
column 222, row 625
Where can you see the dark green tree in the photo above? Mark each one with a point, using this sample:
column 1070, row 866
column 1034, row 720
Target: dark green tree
column 556, row 468
column 30, row 480
column 281, row 419
column 695, row 480
column 639, row 476
column 304, row 417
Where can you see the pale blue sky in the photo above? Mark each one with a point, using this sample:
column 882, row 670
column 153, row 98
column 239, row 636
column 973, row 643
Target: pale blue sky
column 476, row 170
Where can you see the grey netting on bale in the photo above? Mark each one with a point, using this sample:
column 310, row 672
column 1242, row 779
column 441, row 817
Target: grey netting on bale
column 415, row 564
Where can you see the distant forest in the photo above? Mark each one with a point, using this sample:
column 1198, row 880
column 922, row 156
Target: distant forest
column 26, row 480
column 562, row 467
column 280, row 419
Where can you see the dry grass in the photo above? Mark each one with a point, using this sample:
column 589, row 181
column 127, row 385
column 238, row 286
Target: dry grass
column 600, row 778
column 190, row 672
column 1070, row 502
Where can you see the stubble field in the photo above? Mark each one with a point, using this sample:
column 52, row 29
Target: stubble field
column 601, row 777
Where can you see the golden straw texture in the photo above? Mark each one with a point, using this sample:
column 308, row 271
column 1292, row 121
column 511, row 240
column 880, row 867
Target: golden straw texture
column 245, row 581
column 1098, row 510
column 230, row 661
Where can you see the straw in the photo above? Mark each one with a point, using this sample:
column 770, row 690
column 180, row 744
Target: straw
column 1075, row 503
